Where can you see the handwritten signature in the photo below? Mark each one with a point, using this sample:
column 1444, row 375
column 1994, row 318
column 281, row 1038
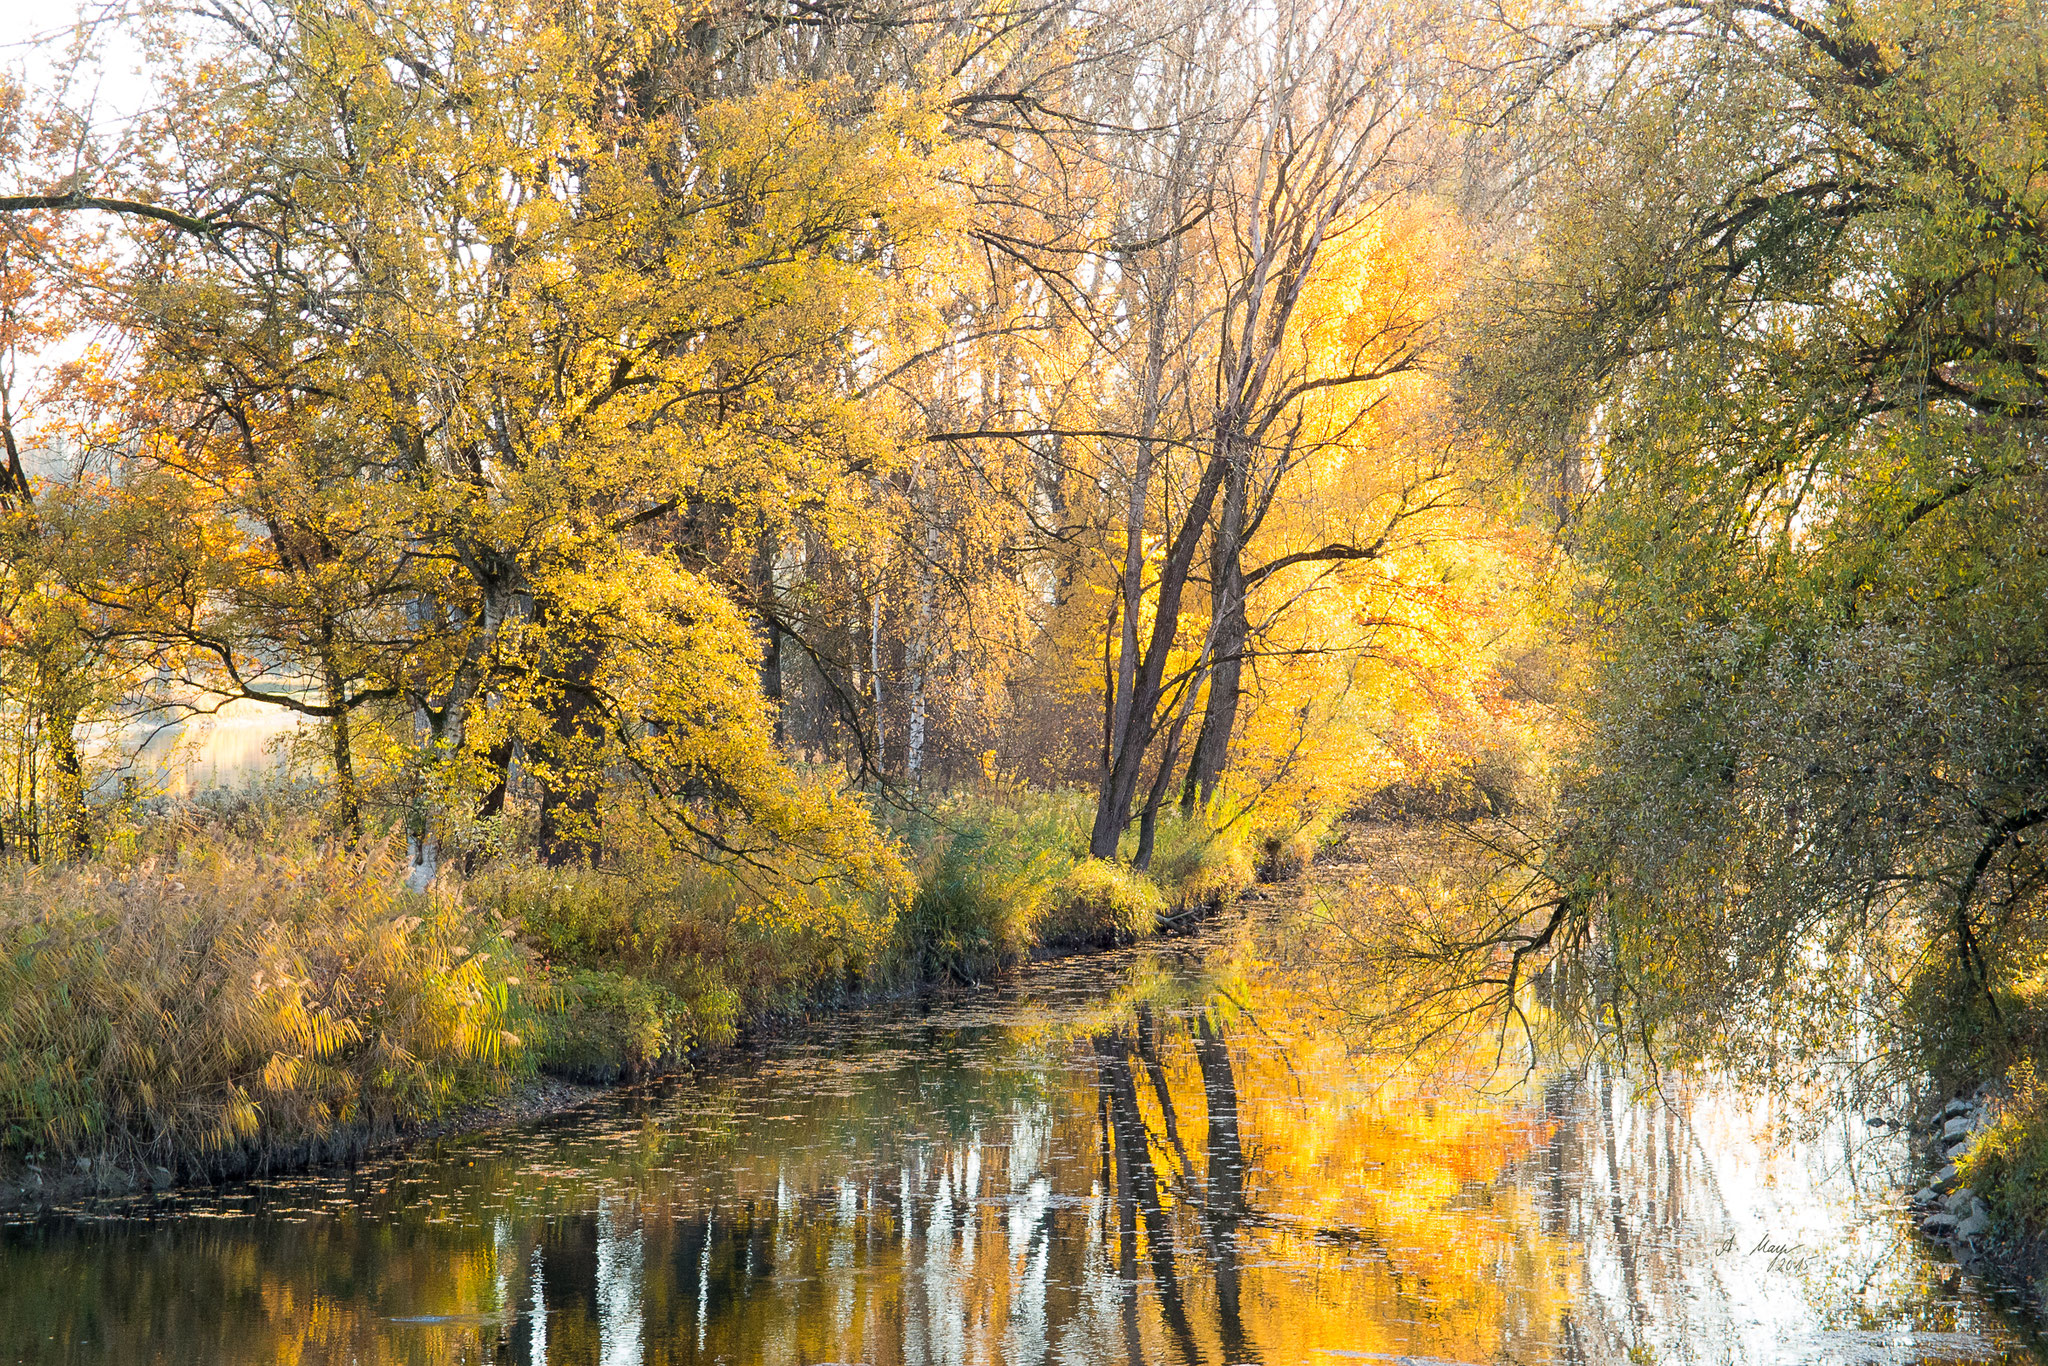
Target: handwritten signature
column 1784, row 1256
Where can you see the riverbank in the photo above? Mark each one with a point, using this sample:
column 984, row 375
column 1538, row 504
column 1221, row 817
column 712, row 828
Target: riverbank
column 215, row 1012
column 29, row 1186
column 1948, row 1209
column 889, row 1184
column 1984, row 1193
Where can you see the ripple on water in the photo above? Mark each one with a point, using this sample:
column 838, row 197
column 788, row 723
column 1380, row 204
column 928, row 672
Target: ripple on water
column 1102, row 1161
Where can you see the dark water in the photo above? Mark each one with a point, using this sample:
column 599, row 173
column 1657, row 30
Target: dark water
column 1164, row 1156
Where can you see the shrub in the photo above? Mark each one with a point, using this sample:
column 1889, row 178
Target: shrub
column 1956, row 1037
column 1197, row 868
column 611, row 1026
column 2008, row 1164
column 693, row 934
column 987, row 873
column 585, row 917
column 1099, row 904
column 219, row 1005
column 1290, row 842
column 997, row 875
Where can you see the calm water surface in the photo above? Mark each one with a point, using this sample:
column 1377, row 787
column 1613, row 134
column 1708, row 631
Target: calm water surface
column 1161, row 1156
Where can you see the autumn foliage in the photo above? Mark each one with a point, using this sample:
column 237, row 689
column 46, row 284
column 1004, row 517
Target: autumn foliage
column 688, row 479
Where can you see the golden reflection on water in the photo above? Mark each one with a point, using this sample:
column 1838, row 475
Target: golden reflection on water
column 1122, row 1160
column 240, row 744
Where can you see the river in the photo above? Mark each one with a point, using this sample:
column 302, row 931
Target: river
column 1166, row 1154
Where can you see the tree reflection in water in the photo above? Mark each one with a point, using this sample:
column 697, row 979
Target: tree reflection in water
column 1106, row 1161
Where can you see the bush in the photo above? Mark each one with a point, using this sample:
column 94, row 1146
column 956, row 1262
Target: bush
column 1000, row 875
column 1197, row 868
column 1289, row 842
column 1099, row 904
column 1956, row 1037
column 971, row 915
column 611, row 1026
column 1492, row 781
column 2008, row 1164
column 1960, row 1042
column 218, row 1006
column 986, row 876
column 585, row 917
column 708, row 953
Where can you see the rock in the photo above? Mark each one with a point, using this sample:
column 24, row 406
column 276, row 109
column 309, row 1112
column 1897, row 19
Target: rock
column 1953, row 1150
column 1945, row 1180
column 1956, row 1107
column 1938, row 1225
column 1959, row 1127
column 1978, row 1224
column 1959, row 1201
column 1924, row 1196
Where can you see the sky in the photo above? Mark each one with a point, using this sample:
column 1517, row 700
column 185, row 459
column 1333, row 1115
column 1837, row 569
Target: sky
column 24, row 22
column 33, row 34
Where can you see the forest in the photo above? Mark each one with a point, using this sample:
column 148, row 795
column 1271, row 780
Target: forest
column 730, row 511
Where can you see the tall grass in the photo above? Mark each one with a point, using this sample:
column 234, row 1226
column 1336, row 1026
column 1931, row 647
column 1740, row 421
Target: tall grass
column 201, row 1009
column 1000, row 876
column 656, row 959
column 987, row 872
column 1100, row 905
column 644, row 975
column 223, row 988
column 1195, row 868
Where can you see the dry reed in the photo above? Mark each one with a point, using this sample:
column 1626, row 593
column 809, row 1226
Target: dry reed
column 212, row 1008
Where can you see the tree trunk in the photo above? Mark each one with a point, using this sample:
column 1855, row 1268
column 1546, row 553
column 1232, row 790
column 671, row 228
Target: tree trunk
column 1148, row 822
column 766, row 549
column 499, row 756
column 919, row 651
column 875, row 677
column 348, row 801
column 348, row 797
column 1120, row 786
column 1129, row 694
column 569, row 777
column 1219, row 715
column 1232, row 630
column 422, row 846
column 73, row 831
column 493, row 804
column 424, row 852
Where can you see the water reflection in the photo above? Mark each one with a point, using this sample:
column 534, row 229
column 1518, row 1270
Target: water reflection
column 1158, row 1157
column 242, row 742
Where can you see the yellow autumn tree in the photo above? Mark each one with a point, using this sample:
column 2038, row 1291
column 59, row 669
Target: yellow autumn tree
column 479, row 365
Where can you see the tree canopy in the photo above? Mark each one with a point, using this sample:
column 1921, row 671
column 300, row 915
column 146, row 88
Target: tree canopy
column 1782, row 321
column 690, row 425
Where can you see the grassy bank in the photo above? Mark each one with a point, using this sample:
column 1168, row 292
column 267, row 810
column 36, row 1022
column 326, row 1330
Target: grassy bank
column 1989, row 1043
column 224, row 991
column 197, row 1010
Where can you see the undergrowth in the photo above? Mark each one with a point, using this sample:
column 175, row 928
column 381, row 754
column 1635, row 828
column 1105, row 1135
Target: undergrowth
column 197, row 1009
column 223, row 987
column 1962, row 1039
column 2008, row 1163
